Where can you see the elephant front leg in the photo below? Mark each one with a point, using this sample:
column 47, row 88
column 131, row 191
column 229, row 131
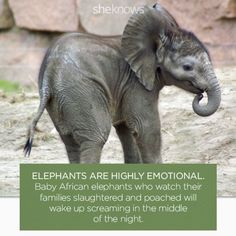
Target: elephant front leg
column 150, row 147
column 148, row 139
column 130, row 148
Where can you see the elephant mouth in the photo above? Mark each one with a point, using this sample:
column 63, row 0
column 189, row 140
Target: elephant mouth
column 187, row 84
column 191, row 87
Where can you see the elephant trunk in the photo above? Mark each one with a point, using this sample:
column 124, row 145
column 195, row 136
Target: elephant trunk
column 214, row 98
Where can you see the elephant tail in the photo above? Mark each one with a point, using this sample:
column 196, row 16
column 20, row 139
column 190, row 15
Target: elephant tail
column 31, row 129
column 44, row 98
column 44, row 92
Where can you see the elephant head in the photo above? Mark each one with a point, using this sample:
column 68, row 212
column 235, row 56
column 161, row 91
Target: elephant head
column 157, row 48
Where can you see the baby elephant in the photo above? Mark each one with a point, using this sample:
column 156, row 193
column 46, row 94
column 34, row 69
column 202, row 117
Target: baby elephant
column 88, row 83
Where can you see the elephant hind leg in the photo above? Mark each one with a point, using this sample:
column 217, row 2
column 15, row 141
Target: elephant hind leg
column 85, row 114
column 130, row 148
column 82, row 151
column 72, row 148
column 90, row 152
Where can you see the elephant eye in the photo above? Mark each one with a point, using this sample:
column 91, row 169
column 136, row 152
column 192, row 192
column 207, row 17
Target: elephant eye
column 187, row 67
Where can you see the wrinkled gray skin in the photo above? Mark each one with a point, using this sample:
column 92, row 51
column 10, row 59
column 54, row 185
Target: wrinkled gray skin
column 88, row 83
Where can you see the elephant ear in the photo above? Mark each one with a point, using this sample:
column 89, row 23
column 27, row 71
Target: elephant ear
column 143, row 35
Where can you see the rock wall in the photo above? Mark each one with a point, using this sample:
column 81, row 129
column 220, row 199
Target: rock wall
column 107, row 17
column 21, row 53
column 213, row 21
column 53, row 15
column 6, row 18
column 28, row 26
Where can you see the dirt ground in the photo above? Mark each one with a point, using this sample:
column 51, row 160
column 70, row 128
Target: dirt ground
column 187, row 138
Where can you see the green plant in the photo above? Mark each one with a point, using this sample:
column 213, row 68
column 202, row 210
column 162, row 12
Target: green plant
column 8, row 86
